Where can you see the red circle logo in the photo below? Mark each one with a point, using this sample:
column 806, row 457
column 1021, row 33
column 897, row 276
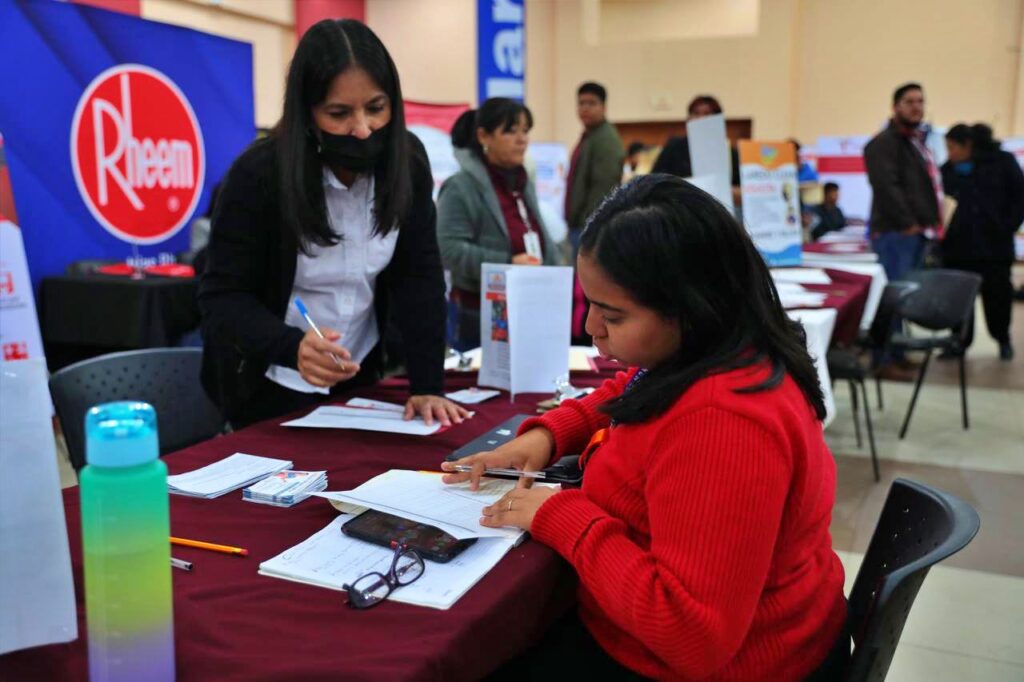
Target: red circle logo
column 137, row 153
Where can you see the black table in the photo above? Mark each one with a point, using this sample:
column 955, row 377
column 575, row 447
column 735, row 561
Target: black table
column 86, row 315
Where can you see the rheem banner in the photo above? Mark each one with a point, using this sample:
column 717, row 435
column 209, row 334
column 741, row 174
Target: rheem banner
column 117, row 129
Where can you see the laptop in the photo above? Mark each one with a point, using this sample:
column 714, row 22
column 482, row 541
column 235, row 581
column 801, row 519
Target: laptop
column 499, row 435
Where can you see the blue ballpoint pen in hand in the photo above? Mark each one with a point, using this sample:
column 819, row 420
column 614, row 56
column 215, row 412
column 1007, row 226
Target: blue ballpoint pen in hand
column 309, row 320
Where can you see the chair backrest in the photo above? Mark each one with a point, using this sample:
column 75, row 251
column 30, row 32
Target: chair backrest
column 944, row 299
column 166, row 378
column 888, row 307
column 919, row 527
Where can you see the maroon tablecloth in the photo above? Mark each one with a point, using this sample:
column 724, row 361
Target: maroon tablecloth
column 233, row 624
column 848, row 294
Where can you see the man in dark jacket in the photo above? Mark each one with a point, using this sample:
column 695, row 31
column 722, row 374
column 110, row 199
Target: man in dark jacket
column 905, row 184
column 596, row 165
column 988, row 186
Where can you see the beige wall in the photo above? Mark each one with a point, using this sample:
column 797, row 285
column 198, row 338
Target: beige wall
column 267, row 24
column 812, row 67
column 853, row 54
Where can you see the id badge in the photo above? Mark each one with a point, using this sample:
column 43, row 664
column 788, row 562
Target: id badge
column 531, row 240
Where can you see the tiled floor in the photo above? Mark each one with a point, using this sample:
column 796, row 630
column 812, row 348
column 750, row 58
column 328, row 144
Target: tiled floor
column 966, row 623
column 968, row 619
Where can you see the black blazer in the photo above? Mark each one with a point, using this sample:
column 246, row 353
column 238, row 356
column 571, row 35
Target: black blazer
column 902, row 190
column 247, row 282
column 990, row 208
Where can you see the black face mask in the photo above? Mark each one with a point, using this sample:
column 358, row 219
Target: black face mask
column 349, row 152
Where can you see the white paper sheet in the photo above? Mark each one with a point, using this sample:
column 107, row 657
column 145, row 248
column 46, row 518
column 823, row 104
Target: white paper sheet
column 807, row 299
column 472, row 395
column 37, row 595
column 231, row 473
column 801, row 275
column 363, row 419
column 331, row 559
column 423, row 497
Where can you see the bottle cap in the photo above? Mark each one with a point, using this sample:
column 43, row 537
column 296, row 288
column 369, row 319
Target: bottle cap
column 121, row 434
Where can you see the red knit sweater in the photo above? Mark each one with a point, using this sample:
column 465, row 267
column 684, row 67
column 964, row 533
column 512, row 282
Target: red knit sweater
column 701, row 536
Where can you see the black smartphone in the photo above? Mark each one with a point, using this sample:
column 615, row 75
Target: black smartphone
column 383, row 529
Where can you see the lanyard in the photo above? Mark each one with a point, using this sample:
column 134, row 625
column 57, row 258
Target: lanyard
column 601, row 436
column 523, row 213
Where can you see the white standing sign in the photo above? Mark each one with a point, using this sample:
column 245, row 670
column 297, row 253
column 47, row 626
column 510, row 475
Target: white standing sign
column 36, row 587
column 525, row 318
column 710, row 156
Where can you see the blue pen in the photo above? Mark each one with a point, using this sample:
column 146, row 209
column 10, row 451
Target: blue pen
column 309, row 320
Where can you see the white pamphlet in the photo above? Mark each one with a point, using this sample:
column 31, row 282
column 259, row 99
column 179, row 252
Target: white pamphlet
column 362, row 414
column 525, row 326
column 231, row 473
column 471, row 395
column 801, row 275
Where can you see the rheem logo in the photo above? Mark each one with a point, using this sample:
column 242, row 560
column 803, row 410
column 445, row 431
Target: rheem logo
column 137, row 153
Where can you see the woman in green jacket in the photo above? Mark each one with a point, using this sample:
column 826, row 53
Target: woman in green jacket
column 488, row 212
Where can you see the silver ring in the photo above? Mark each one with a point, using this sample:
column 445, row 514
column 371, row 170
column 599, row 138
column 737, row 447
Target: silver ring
column 510, row 505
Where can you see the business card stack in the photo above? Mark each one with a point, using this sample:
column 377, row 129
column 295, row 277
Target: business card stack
column 286, row 488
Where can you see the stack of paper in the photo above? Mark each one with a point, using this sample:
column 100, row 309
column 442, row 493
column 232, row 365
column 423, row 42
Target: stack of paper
column 231, row 473
column 365, row 415
column 332, row 559
column 286, row 488
column 422, row 497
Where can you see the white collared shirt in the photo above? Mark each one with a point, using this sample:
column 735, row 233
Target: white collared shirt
column 337, row 282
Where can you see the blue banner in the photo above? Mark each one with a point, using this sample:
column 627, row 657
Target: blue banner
column 501, row 49
column 116, row 129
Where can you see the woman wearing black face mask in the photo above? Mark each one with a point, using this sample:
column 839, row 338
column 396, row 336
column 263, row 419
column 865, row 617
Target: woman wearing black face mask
column 335, row 209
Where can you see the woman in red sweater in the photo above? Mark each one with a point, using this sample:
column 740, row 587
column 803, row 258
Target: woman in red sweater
column 701, row 532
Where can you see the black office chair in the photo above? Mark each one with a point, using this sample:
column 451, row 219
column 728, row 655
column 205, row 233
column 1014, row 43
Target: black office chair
column 919, row 527
column 844, row 364
column 944, row 301
column 166, row 378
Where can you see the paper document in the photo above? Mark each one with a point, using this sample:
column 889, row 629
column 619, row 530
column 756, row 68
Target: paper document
column 286, row 488
column 801, row 275
column 331, row 559
column 422, row 497
column 362, row 414
column 237, row 471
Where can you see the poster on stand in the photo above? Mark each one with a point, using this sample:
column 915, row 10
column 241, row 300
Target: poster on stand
column 771, row 199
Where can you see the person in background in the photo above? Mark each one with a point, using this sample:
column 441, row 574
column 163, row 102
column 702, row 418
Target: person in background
column 905, row 185
column 675, row 155
column 463, row 132
column 595, row 167
column 830, row 216
column 633, row 153
column 334, row 207
column 488, row 213
column 988, row 186
column 701, row 532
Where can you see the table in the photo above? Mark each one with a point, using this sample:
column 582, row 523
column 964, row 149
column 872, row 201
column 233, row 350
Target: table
column 222, row 630
column 100, row 313
column 848, row 295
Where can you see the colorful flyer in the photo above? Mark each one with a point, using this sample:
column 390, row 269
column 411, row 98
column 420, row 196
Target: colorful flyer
column 771, row 199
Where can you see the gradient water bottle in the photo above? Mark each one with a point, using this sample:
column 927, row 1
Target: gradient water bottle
column 125, row 530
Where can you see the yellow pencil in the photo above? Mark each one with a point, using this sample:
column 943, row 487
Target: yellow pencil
column 210, row 546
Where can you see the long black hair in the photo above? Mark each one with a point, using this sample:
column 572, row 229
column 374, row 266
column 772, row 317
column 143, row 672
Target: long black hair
column 327, row 49
column 498, row 112
column 678, row 251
